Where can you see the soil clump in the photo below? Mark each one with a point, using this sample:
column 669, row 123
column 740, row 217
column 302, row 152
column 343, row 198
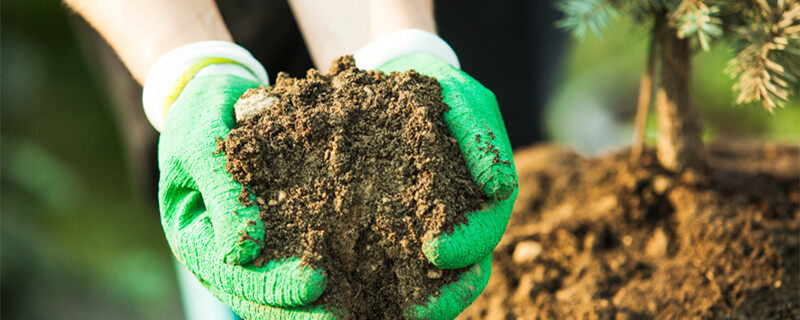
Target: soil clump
column 351, row 170
column 612, row 238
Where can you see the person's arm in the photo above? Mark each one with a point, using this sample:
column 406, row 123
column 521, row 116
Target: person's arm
column 141, row 31
column 388, row 16
column 335, row 28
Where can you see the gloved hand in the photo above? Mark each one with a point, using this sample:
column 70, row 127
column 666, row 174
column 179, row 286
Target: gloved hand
column 453, row 298
column 217, row 94
column 475, row 122
column 209, row 231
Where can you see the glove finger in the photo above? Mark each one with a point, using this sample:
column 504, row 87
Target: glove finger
column 470, row 118
column 469, row 242
column 278, row 283
column 474, row 120
column 249, row 310
column 456, row 296
column 239, row 230
column 286, row 282
column 489, row 162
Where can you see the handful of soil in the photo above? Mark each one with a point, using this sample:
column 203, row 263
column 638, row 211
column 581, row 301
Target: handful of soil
column 351, row 171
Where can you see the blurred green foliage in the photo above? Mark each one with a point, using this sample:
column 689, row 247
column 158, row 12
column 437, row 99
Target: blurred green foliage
column 594, row 102
column 78, row 242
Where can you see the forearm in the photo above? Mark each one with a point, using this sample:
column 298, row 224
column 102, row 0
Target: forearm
column 332, row 28
column 141, row 31
column 335, row 28
column 387, row 16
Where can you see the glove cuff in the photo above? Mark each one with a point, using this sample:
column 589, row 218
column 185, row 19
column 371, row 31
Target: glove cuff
column 403, row 42
column 173, row 70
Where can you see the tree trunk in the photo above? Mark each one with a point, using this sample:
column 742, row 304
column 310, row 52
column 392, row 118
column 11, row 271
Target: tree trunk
column 643, row 104
column 679, row 128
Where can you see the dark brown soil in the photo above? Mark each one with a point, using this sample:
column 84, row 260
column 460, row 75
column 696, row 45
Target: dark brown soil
column 351, row 170
column 608, row 238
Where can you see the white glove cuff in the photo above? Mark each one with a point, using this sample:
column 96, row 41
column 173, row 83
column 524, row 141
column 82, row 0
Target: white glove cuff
column 400, row 43
column 173, row 69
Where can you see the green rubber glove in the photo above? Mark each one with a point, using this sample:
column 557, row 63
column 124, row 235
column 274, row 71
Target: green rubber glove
column 456, row 296
column 209, row 231
column 452, row 299
column 249, row 310
column 475, row 122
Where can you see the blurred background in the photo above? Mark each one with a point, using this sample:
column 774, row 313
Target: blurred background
column 81, row 237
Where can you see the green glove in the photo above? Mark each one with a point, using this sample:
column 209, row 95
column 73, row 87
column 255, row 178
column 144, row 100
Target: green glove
column 475, row 122
column 456, row 296
column 453, row 298
column 251, row 311
column 209, row 231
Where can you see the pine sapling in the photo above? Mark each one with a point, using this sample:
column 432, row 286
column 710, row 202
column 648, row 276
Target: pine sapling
column 764, row 33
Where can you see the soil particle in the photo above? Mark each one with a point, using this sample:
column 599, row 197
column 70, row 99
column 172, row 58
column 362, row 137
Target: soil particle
column 350, row 170
column 526, row 251
column 630, row 240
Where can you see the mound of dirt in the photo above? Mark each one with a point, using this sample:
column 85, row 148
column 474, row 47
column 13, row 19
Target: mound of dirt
column 351, row 170
column 610, row 238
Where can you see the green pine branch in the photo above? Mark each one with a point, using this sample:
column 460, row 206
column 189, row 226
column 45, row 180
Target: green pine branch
column 766, row 67
column 583, row 16
column 694, row 18
column 766, row 34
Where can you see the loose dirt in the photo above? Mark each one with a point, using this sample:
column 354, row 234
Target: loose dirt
column 608, row 238
column 351, row 171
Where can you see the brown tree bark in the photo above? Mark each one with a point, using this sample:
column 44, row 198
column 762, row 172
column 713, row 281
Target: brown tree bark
column 643, row 104
column 679, row 128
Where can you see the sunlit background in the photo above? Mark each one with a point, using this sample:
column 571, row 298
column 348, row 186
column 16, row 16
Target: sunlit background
column 80, row 235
